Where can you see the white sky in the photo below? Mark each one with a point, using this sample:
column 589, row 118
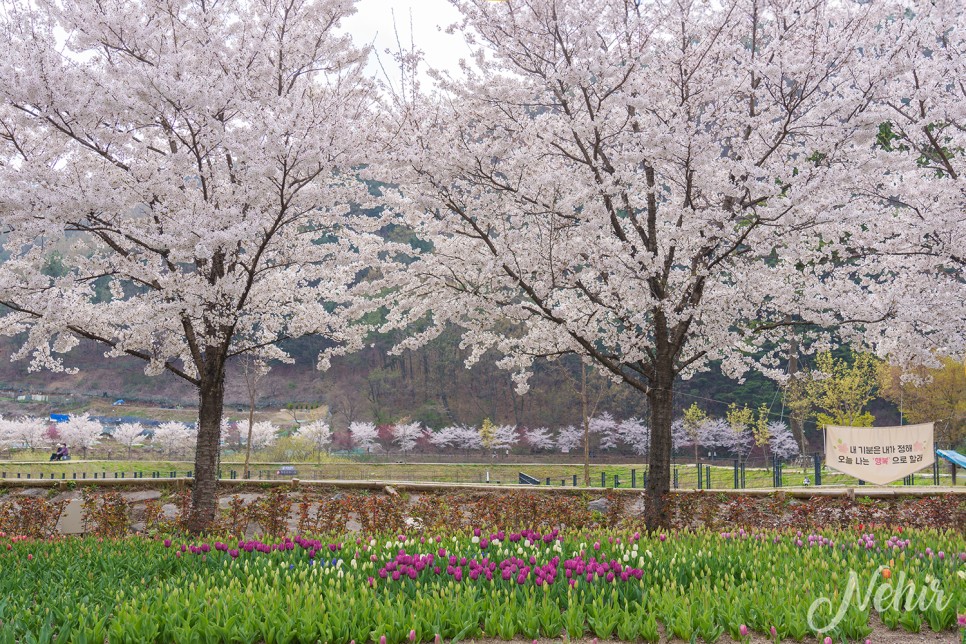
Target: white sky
column 377, row 21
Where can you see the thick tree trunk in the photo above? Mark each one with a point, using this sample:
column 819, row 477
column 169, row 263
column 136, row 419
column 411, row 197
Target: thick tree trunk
column 204, row 497
column 661, row 400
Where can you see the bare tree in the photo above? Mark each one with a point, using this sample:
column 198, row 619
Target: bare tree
column 254, row 371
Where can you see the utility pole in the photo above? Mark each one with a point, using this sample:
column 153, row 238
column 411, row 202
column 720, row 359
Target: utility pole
column 254, row 372
column 794, row 418
column 586, row 416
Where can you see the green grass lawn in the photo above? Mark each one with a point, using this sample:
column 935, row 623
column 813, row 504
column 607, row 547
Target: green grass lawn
column 722, row 477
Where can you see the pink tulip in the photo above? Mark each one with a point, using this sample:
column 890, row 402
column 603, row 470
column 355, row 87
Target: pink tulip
column 412, row 635
column 743, row 630
column 828, row 640
column 382, row 639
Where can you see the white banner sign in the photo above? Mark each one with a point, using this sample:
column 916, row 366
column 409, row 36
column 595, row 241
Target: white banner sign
column 879, row 455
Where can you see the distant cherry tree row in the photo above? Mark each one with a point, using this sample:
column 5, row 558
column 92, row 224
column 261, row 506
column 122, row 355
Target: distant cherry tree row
column 608, row 434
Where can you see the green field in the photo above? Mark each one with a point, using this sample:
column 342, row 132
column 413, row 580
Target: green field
column 722, row 477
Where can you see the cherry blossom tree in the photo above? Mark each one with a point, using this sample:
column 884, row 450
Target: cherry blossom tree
column 365, row 436
column 405, row 436
column 742, row 441
column 569, row 438
column 680, row 437
column 781, row 441
column 654, row 186
column 81, row 431
column 716, row 434
column 172, row 437
column 193, row 157
column 25, row 432
column 538, row 438
column 504, row 438
column 319, row 434
column 606, row 427
column 129, row 435
column 467, row 438
column 922, row 137
column 262, row 433
column 6, row 433
column 635, row 433
column 441, row 438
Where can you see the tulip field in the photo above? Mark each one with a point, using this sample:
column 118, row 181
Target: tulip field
column 394, row 588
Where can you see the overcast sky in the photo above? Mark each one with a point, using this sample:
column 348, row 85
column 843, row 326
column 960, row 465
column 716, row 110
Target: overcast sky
column 374, row 23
